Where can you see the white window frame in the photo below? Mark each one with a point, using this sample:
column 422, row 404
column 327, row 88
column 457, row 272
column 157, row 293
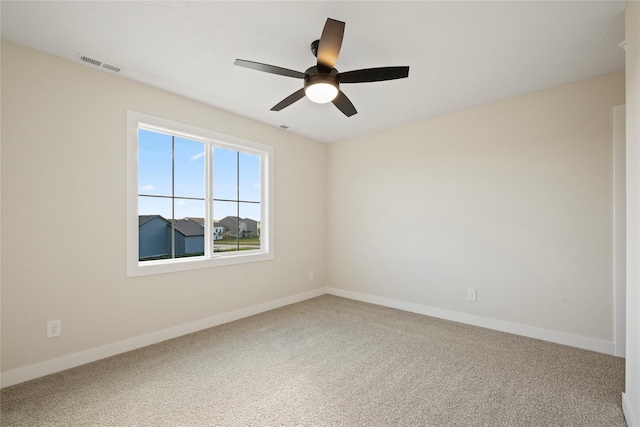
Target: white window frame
column 135, row 121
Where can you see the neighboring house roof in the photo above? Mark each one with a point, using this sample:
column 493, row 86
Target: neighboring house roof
column 235, row 218
column 188, row 227
column 201, row 220
column 143, row 219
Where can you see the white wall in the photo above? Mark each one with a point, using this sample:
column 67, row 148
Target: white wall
column 631, row 401
column 513, row 198
column 63, row 214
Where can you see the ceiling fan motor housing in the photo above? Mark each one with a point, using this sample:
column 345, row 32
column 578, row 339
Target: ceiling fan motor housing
column 314, row 75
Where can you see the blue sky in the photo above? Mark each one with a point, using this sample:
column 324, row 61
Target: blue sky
column 154, row 178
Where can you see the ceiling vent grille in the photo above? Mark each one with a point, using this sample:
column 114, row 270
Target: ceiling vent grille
column 101, row 64
column 110, row 67
column 91, row 61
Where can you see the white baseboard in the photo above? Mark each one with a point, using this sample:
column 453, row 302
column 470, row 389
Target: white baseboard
column 38, row 370
column 632, row 420
column 578, row 341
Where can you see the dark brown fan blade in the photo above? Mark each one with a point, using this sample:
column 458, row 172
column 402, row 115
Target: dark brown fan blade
column 269, row 68
column 374, row 75
column 344, row 104
column 289, row 100
column 330, row 43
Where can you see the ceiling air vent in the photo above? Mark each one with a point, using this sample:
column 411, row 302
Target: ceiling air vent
column 91, row 61
column 110, row 67
column 104, row 65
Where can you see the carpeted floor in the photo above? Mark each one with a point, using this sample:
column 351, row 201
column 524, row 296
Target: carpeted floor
column 331, row 361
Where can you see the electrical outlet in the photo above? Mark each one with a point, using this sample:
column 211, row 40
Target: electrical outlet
column 310, row 275
column 472, row 294
column 54, row 328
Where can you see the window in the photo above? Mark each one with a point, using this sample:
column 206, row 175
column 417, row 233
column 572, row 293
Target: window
column 196, row 198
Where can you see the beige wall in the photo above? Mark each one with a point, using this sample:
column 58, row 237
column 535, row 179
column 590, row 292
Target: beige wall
column 63, row 214
column 512, row 198
column 632, row 398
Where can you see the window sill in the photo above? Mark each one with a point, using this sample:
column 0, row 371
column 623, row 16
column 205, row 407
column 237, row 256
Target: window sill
column 137, row 268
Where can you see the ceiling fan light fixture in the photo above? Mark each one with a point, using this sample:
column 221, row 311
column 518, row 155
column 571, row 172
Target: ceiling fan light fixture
column 321, row 92
column 321, row 87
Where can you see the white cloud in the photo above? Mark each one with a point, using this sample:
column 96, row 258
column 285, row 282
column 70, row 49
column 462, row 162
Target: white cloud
column 181, row 202
column 197, row 156
column 147, row 187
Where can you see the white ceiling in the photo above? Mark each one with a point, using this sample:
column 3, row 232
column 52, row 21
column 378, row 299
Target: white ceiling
column 461, row 54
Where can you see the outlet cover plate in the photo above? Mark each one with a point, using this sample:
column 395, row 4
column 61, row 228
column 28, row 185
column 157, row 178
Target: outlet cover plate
column 54, row 328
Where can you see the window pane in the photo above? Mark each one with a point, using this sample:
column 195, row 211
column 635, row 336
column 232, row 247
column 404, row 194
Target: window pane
column 155, row 206
column 154, row 163
column 225, row 174
column 249, row 226
column 188, row 237
column 189, row 208
column 226, row 215
column 249, row 177
column 154, row 238
column 189, row 168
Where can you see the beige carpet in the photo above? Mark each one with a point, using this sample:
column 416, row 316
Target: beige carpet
column 331, row 361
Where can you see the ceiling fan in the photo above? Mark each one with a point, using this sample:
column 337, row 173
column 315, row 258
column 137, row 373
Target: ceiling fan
column 322, row 81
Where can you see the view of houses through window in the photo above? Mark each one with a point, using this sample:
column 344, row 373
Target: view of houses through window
column 195, row 198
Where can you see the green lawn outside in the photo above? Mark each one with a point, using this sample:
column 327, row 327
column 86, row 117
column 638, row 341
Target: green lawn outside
column 233, row 241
